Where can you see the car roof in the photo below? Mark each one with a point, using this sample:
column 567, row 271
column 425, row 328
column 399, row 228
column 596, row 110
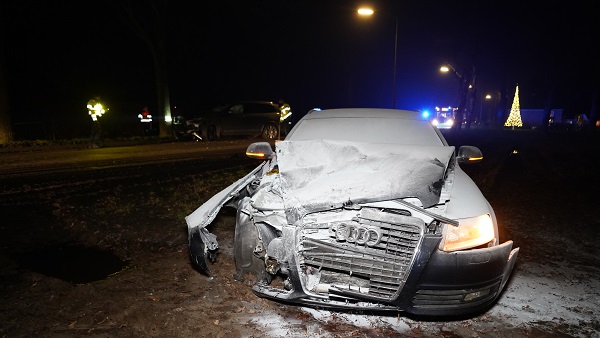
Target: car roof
column 246, row 101
column 372, row 125
column 364, row 112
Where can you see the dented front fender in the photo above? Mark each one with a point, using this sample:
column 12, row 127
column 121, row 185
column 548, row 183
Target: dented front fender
column 203, row 245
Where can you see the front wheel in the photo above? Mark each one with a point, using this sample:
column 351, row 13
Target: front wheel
column 248, row 247
column 210, row 133
column 270, row 131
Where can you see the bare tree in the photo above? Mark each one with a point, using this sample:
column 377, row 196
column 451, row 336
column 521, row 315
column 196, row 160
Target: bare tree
column 149, row 21
column 6, row 135
column 466, row 95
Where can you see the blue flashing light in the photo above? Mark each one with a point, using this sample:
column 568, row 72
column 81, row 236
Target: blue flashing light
column 425, row 114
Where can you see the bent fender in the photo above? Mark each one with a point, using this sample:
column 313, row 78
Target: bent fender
column 203, row 246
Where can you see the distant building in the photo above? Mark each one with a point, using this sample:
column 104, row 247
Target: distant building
column 536, row 117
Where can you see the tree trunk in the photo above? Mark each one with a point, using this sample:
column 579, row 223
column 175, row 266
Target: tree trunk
column 465, row 104
column 462, row 103
column 547, row 110
column 165, row 126
column 149, row 21
column 6, row 135
column 594, row 108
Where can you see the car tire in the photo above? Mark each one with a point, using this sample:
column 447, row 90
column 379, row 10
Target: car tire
column 246, row 240
column 211, row 133
column 270, row 131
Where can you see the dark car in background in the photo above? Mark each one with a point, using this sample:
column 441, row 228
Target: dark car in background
column 242, row 118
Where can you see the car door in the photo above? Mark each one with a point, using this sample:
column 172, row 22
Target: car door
column 256, row 115
column 231, row 119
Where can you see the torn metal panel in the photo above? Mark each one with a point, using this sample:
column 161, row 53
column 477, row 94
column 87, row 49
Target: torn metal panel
column 206, row 213
column 331, row 173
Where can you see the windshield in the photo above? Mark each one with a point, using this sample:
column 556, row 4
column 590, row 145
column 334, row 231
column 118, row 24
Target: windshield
column 367, row 129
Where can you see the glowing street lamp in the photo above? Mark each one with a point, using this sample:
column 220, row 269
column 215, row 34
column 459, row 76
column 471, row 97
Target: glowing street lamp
column 488, row 98
column 444, row 69
column 448, row 68
column 485, row 100
column 364, row 11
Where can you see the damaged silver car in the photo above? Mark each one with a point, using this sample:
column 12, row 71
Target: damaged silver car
column 364, row 209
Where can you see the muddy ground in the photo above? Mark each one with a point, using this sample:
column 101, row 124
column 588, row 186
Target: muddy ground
column 125, row 271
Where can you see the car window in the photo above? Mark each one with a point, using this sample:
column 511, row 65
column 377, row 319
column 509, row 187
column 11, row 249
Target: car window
column 258, row 108
column 376, row 130
column 219, row 108
column 272, row 109
column 237, row 109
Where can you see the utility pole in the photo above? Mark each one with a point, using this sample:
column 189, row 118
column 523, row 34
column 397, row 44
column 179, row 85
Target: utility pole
column 466, row 90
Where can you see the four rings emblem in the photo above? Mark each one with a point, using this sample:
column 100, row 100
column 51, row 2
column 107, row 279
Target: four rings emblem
column 356, row 233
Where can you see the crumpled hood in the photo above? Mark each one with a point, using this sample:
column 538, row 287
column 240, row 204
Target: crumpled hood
column 321, row 174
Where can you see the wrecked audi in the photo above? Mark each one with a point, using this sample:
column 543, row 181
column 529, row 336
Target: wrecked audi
column 364, row 209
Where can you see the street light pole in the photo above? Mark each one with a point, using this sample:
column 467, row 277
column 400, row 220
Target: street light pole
column 466, row 101
column 488, row 97
column 446, row 68
column 369, row 12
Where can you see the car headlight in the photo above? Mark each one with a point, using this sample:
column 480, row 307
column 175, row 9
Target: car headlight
column 470, row 233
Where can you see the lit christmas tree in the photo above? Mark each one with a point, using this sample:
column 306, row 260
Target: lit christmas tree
column 514, row 118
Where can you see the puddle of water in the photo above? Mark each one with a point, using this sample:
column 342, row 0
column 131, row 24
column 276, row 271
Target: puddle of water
column 72, row 263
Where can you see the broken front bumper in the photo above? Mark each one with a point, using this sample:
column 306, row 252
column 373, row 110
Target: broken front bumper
column 440, row 284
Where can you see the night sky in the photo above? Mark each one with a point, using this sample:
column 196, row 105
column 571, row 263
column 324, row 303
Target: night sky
column 59, row 54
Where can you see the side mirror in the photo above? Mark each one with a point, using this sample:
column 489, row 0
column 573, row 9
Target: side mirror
column 260, row 151
column 469, row 154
